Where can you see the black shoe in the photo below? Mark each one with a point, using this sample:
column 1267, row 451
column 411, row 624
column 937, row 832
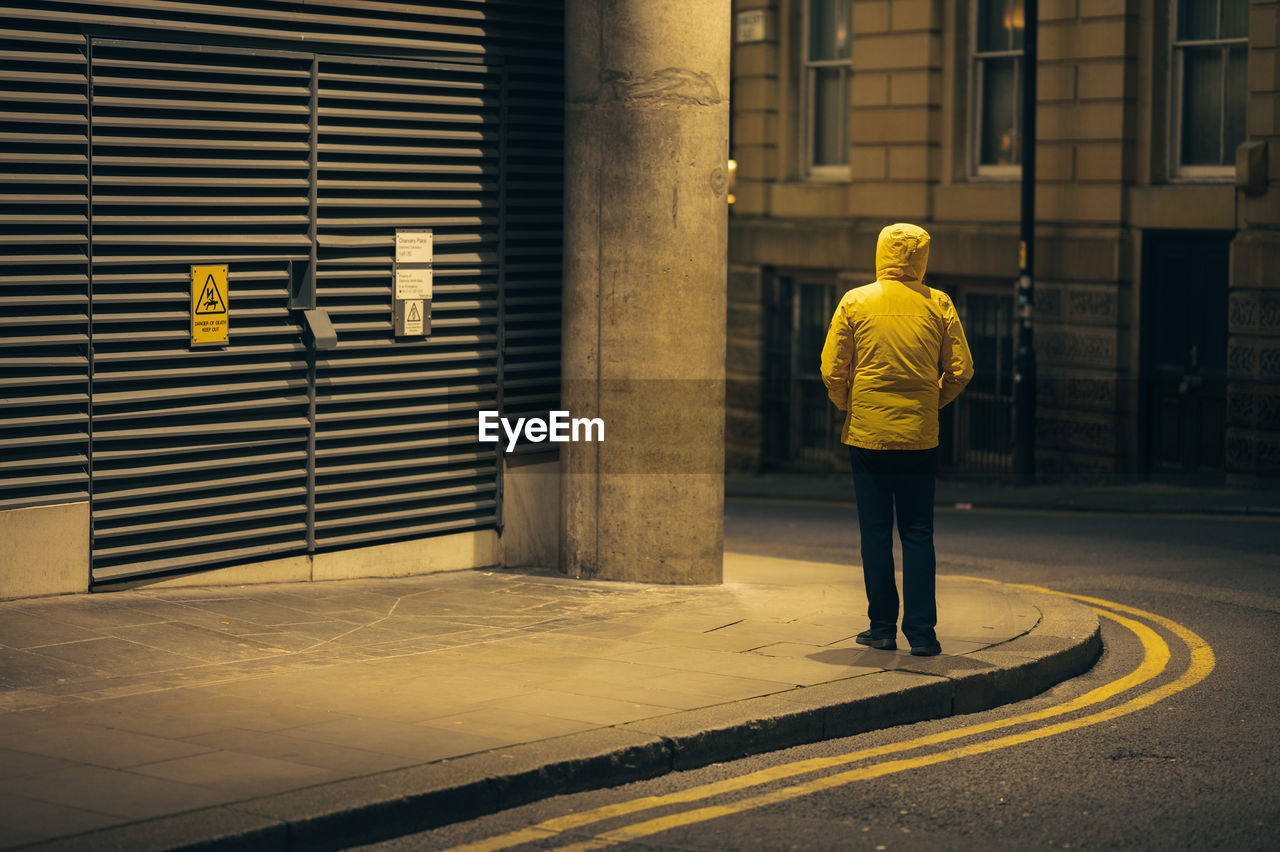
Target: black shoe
column 926, row 650
column 881, row 643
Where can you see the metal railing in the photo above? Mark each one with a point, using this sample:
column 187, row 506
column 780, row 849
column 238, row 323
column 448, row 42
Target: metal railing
column 978, row 427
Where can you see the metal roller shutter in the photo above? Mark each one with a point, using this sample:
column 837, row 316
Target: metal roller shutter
column 533, row 226
column 200, row 155
column 44, row 276
column 295, row 168
column 406, row 145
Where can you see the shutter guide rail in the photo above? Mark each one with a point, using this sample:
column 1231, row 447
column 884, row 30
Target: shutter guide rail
column 502, row 292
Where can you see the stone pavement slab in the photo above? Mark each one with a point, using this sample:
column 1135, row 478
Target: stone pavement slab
column 157, row 719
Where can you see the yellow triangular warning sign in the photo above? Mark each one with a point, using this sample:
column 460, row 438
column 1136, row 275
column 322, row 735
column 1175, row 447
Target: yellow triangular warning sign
column 414, row 316
column 210, row 299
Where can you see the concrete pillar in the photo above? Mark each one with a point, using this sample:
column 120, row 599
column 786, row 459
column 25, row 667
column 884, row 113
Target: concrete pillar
column 646, row 149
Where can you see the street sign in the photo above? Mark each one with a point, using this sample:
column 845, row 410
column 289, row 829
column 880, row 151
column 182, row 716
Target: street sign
column 752, row 26
column 209, row 295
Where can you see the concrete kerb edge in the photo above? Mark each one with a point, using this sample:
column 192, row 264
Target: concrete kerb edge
column 1026, row 504
column 1064, row 643
column 1102, row 508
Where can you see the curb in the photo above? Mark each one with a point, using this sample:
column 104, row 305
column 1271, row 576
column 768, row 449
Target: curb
column 1103, row 508
column 817, row 495
column 1064, row 643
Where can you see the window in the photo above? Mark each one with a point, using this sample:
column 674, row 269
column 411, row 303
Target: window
column 997, row 90
column 982, row 419
column 827, row 54
column 1210, row 53
column 801, row 426
column 975, row 433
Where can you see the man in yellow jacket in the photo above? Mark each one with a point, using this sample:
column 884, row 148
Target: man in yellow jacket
column 894, row 355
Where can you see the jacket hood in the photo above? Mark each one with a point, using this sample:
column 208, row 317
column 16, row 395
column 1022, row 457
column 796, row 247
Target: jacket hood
column 902, row 253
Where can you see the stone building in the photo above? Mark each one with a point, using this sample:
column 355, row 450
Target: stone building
column 1157, row 315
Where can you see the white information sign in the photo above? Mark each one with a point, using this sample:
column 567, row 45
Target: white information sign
column 413, row 282
column 413, row 246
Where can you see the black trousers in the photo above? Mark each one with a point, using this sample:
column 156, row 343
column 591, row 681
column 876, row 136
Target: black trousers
column 903, row 479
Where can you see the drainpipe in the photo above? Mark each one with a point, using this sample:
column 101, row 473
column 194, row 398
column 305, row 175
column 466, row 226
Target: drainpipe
column 1024, row 371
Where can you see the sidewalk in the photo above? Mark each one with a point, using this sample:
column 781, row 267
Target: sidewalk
column 314, row 716
column 1145, row 497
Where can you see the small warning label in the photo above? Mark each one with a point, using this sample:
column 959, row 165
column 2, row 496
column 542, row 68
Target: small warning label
column 413, row 316
column 210, row 301
column 209, row 321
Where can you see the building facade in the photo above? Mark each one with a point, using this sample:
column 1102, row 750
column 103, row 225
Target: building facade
column 261, row 266
column 1157, row 280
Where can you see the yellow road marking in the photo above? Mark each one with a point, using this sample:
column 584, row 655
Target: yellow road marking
column 1201, row 653
column 1200, row 666
column 1156, row 658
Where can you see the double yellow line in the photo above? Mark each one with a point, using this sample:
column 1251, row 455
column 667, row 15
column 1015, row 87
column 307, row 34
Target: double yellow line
column 1155, row 660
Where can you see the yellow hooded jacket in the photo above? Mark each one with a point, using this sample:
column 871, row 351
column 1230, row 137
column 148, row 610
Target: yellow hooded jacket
column 895, row 352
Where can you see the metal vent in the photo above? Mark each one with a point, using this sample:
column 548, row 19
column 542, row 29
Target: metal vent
column 294, row 167
column 44, row 281
column 406, row 145
column 200, row 155
column 533, row 225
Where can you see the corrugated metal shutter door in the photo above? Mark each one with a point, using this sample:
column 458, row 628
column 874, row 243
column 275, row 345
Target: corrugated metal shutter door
column 533, row 223
column 204, row 155
column 292, row 163
column 200, row 155
column 44, row 280
column 406, row 145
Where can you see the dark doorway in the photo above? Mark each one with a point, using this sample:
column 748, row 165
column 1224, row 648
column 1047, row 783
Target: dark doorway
column 1184, row 349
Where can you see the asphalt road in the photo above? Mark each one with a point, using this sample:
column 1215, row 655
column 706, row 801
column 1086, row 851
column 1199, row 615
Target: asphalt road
column 1172, row 761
